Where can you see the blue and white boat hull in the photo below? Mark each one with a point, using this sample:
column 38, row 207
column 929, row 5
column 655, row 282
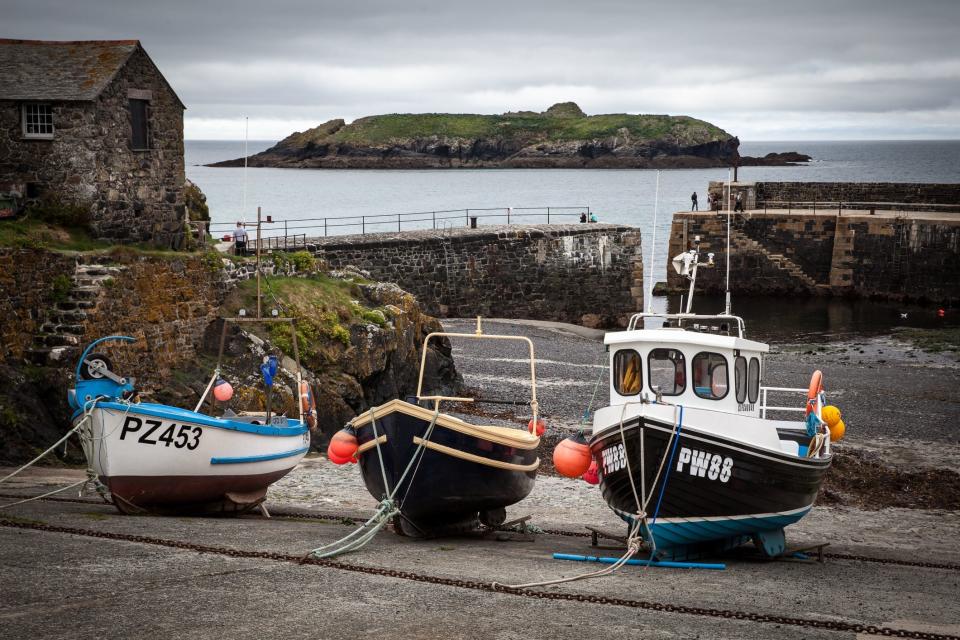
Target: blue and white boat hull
column 157, row 456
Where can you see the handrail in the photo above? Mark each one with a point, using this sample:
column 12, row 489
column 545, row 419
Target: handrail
column 479, row 335
column 443, row 216
column 763, row 400
column 635, row 318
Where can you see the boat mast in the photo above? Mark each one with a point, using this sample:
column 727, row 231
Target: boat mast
column 653, row 248
column 727, row 306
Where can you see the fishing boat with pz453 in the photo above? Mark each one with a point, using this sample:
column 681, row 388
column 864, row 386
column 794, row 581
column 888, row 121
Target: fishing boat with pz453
column 435, row 472
column 160, row 458
column 685, row 451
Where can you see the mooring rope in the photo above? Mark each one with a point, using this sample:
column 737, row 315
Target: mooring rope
column 388, row 507
column 85, row 433
column 634, row 540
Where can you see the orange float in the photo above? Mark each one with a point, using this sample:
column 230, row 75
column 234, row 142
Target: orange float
column 571, row 456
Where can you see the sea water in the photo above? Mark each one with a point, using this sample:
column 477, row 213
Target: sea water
column 627, row 196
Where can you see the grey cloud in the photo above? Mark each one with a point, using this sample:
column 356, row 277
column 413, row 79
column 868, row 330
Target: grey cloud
column 311, row 61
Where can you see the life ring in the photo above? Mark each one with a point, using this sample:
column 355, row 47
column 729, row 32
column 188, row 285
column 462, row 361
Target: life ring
column 307, row 404
column 814, row 390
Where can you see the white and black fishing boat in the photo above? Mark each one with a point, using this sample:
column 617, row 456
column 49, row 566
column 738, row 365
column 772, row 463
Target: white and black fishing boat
column 685, row 451
column 439, row 473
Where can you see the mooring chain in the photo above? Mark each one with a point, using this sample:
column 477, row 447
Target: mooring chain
column 832, row 625
column 352, row 520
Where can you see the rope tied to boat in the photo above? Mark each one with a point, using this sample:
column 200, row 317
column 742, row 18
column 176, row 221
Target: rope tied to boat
column 389, row 507
column 85, row 433
column 634, row 540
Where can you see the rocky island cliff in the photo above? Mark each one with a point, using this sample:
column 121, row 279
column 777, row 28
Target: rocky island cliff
column 563, row 136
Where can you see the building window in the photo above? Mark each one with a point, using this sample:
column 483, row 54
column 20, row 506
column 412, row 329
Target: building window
column 627, row 377
column 140, row 124
column 37, row 121
column 710, row 376
column 667, row 371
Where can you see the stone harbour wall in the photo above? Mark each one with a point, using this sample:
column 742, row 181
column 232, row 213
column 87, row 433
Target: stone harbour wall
column 901, row 258
column 894, row 192
column 583, row 273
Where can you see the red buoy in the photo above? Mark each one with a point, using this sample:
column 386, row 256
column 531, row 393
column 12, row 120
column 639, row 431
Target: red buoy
column 343, row 444
column 571, row 457
column 336, row 459
column 592, row 476
column 222, row 390
column 540, row 427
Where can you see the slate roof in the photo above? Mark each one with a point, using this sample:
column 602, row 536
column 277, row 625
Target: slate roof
column 57, row 70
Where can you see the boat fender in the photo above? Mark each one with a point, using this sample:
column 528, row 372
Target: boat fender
column 592, row 475
column 815, row 389
column 571, row 456
column 834, row 419
column 343, row 446
column 222, row 390
column 538, row 427
column 308, row 405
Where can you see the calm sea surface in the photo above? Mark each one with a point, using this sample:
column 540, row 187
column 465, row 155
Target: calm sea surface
column 621, row 196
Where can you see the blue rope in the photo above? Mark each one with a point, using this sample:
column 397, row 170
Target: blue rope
column 666, row 478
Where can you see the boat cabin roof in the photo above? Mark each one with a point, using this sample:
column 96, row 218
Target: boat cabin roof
column 674, row 336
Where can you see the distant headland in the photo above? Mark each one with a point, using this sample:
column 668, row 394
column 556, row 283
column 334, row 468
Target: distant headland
column 563, row 136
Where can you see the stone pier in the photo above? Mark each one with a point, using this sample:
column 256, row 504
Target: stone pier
column 590, row 274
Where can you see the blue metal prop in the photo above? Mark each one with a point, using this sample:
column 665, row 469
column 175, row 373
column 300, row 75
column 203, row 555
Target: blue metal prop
column 715, row 566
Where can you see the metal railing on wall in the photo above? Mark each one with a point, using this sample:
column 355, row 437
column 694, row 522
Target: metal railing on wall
column 293, row 233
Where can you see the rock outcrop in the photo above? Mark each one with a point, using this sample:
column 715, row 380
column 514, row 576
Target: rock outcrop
column 560, row 137
column 363, row 350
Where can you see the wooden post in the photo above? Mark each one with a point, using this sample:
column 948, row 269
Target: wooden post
column 258, row 262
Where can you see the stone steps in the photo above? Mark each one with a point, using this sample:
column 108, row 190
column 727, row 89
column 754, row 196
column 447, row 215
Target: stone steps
column 782, row 262
column 61, row 332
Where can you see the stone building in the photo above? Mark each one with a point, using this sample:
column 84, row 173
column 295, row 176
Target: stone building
column 94, row 123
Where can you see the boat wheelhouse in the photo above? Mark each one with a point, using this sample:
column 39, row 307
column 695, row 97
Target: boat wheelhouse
column 686, row 452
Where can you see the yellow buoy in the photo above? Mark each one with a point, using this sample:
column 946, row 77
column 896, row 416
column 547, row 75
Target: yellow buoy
column 831, row 415
column 837, row 430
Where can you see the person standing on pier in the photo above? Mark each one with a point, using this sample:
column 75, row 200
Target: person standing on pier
column 739, row 205
column 240, row 240
column 693, row 202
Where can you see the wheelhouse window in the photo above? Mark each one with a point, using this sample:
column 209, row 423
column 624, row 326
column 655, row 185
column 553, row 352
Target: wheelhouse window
column 710, row 375
column 627, row 375
column 37, row 121
column 754, row 378
column 140, row 124
column 740, row 378
column 668, row 371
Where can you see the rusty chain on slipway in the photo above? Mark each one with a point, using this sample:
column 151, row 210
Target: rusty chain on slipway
column 827, row 625
column 831, row 625
column 351, row 520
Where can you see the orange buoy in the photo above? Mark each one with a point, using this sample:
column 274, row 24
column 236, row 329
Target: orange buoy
column 336, row 459
column 343, row 444
column 222, row 390
column 539, row 427
column 592, row 475
column 572, row 457
column 837, row 431
column 816, row 386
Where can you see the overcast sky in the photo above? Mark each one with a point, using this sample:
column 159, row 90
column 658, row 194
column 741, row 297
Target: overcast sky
column 762, row 70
